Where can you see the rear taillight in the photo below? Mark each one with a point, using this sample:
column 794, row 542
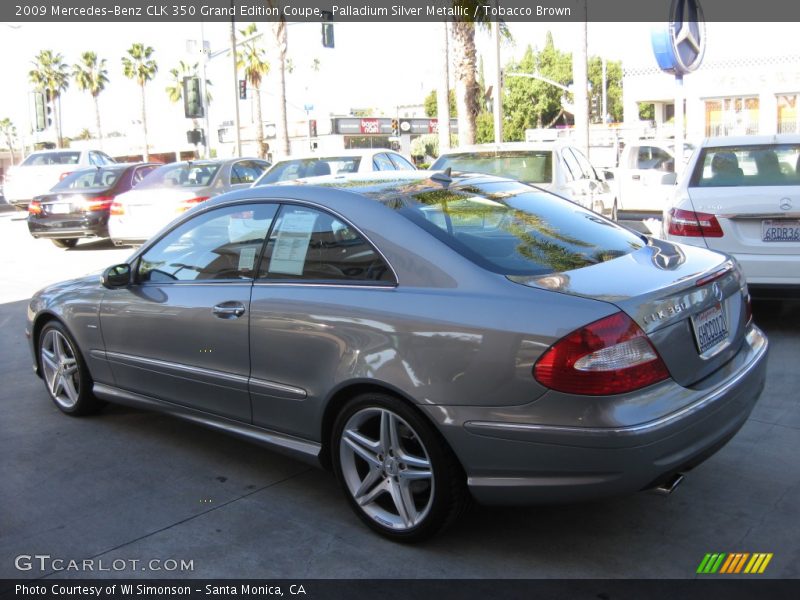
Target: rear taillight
column 688, row 223
column 117, row 208
column 191, row 202
column 64, row 175
column 35, row 208
column 97, row 203
column 610, row 356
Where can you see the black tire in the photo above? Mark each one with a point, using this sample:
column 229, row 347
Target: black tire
column 65, row 243
column 64, row 371
column 396, row 472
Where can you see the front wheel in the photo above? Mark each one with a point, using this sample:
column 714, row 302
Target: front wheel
column 65, row 374
column 398, row 475
column 65, row 243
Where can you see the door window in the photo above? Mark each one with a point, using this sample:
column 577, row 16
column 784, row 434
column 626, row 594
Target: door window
column 381, row 162
column 222, row 244
column 401, row 163
column 313, row 245
column 246, row 171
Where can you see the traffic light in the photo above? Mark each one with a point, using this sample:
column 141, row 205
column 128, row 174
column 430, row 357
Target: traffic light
column 395, row 127
column 243, row 89
column 195, row 136
column 38, row 103
column 327, row 29
column 312, row 128
column 192, row 98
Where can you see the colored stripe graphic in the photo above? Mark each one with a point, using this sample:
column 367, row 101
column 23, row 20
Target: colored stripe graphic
column 729, row 564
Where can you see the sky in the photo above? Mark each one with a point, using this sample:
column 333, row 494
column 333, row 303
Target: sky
column 374, row 65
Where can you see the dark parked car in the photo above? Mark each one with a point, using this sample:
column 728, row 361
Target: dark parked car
column 429, row 338
column 79, row 205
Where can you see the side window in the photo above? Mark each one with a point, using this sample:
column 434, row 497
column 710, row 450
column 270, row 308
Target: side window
column 221, row 244
column 573, row 168
column 313, row 245
column 94, row 160
column 103, row 159
column 246, row 171
column 140, row 173
column 381, row 162
column 401, row 163
column 584, row 164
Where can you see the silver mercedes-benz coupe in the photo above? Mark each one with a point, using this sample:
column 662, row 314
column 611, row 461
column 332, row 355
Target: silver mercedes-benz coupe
column 431, row 337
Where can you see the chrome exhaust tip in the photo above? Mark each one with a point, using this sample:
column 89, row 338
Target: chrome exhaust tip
column 666, row 487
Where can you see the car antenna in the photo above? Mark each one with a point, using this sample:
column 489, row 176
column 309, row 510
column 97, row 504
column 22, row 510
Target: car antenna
column 443, row 176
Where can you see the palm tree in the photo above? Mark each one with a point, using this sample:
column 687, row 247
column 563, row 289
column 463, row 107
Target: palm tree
column 467, row 89
column 139, row 66
column 9, row 132
column 51, row 77
column 91, row 76
column 253, row 61
column 280, row 34
column 175, row 87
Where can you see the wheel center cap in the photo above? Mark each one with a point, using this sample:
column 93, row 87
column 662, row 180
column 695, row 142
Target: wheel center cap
column 390, row 467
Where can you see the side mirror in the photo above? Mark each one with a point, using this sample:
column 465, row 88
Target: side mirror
column 117, row 276
column 669, row 178
column 607, row 175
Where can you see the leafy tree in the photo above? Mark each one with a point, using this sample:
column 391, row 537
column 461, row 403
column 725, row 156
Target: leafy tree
column 431, row 104
column 50, row 75
column 91, row 76
column 141, row 67
column 9, row 132
column 613, row 85
column 647, row 111
column 252, row 60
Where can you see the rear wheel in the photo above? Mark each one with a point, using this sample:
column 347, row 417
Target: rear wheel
column 65, row 374
column 400, row 478
column 66, row 243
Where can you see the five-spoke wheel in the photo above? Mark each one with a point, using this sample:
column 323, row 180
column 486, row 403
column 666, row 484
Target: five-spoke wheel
column 398, row 476
column 64, row 372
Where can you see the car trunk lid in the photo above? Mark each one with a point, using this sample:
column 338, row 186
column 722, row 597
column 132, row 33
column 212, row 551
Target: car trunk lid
column 691, row 303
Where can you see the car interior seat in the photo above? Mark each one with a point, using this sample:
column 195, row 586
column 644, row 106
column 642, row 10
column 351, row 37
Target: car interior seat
column 725, row 168
column 320, row 168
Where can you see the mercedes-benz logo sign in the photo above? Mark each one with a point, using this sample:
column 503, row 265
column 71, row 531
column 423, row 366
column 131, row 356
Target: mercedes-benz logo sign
column 679, row 48
column 786, row 204
column 717, row 291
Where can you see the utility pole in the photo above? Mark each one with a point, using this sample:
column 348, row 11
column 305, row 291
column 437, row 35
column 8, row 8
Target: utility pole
column 497, row 92
column 580, row 79
column 236, row 119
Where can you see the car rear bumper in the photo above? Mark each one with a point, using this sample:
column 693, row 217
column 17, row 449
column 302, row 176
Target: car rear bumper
column 525, row 463
column 90, row 225
column 771, row 269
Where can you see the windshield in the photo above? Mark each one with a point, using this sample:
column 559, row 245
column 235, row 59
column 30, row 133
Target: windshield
column 90, row 179
column 181, row 175
column 310, row 167
column 53, row 158
column 513, row 229
column 530, row 166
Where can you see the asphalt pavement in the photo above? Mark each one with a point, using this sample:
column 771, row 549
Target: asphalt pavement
column 127, row 487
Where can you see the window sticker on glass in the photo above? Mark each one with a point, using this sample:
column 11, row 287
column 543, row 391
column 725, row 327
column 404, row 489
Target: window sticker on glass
column 247, row 259
column 291, row 246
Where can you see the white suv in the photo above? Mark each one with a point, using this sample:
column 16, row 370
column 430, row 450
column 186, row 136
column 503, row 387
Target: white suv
column 741, row 195
column 41, row 170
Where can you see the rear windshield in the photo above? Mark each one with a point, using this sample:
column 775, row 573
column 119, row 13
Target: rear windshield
column 181, row 175
column 530, row 166
column 754, row 165
column 90, row 179
column 310, row 167
column 513, row 229
column 53, row 158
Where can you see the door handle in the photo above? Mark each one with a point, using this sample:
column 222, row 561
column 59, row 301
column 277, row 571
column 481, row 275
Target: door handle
column 636, row 177
column 229, row 310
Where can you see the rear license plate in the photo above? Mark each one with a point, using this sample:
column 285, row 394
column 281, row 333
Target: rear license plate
column 60, row 209
column 780, row 230
column 710, row 329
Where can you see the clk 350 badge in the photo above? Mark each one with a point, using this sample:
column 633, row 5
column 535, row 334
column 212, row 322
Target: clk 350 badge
column 665, row 313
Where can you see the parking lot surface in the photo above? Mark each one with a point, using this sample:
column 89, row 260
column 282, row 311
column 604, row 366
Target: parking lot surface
column 139, row 487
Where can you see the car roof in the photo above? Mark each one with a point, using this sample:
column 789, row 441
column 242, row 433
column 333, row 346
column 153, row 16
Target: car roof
column 507, row 146
column 750, row 140
column 337, row 154
column 379, row 185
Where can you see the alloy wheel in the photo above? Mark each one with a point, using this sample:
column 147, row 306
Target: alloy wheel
column 61, row 369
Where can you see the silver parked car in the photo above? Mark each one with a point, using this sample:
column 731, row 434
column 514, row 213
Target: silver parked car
column 175, row 188
column 429, row 338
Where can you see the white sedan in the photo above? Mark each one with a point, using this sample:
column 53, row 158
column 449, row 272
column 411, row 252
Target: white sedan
column 41, row 170
column 335, row 163
column 741, row 195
